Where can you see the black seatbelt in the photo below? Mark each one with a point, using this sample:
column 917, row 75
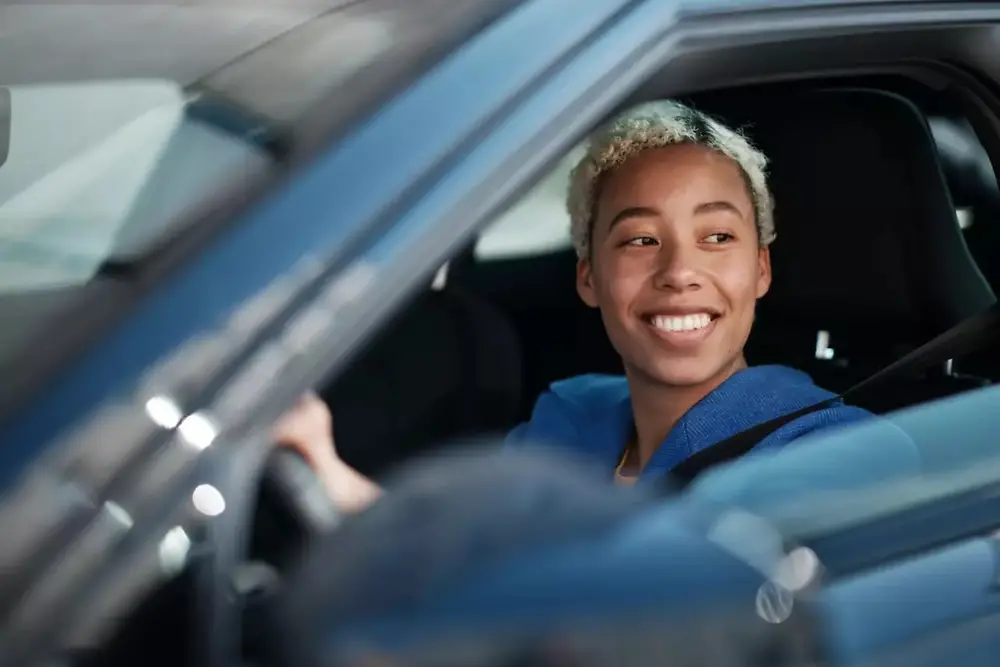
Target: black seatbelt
column 970, row 335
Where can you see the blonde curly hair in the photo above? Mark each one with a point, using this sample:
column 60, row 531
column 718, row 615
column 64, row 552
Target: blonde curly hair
column 655, row 125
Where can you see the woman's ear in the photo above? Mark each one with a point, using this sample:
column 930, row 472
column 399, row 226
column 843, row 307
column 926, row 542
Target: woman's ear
column 585, row 282
column 763, row 271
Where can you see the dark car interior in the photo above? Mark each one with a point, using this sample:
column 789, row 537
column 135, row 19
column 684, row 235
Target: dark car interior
column 870, row 262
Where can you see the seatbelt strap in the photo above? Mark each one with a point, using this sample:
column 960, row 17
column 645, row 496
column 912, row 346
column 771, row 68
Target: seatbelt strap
column 974, row 333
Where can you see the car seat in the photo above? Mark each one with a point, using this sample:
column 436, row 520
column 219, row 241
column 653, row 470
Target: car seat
column 448, row 366
column 869, row 261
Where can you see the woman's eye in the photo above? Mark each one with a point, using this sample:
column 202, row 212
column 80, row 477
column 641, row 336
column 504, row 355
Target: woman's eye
column 641, row 241
column 719, row 237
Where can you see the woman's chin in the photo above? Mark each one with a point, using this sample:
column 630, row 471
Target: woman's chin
column 689, row 373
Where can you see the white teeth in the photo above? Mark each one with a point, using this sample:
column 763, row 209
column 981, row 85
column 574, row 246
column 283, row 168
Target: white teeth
column 685, row 323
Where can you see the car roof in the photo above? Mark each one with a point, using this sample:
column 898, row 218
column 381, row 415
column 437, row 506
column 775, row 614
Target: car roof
column 214, row 32
column 261, row 56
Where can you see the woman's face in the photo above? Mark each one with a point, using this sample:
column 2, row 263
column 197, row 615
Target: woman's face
column 675, row 266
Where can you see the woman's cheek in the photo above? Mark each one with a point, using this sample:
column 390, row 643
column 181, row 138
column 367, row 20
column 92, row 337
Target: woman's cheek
column 624, row 287
column 738, row 281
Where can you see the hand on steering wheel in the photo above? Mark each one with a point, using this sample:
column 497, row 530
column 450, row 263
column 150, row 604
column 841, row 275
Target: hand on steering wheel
column 295, row 505
column 308, row 430
column 305, row 486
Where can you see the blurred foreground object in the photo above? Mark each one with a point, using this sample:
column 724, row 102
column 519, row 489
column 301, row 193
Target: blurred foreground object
column 511, row 558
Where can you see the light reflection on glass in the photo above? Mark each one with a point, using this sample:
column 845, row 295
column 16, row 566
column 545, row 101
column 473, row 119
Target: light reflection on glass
column 173, row 550
column 798, row 569
column 118, row 513
column 164, row 412
column 198, row 430
column 208, row 500
column 440, row 278
column 774, row 603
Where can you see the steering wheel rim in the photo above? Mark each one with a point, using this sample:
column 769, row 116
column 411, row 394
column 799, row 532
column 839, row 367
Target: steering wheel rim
column 293, row 509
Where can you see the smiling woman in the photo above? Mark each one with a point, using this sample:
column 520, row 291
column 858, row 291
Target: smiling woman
column 685, row 265
column 671, row 218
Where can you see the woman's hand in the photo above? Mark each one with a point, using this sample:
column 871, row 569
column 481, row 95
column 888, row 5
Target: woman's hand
column 308, row 429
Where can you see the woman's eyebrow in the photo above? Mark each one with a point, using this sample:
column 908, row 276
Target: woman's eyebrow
column 633, row 212
column 715, row 206
column 648, row 212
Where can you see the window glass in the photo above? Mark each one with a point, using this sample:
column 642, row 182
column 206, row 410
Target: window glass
column 537, row 224
column 96, row 170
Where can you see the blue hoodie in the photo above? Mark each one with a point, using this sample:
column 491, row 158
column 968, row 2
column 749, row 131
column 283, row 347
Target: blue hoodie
column 592, row 416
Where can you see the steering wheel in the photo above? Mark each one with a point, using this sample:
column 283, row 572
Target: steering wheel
column 292, row 512
column 254, row 551
column 293, row 509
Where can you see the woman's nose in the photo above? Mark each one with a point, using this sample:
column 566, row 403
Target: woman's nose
column 677, row 269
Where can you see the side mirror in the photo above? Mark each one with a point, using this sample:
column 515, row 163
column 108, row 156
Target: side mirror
column 4, row 124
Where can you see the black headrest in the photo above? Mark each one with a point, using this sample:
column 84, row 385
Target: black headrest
column 868, row 240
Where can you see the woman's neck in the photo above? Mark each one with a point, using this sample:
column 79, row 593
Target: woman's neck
column 656, row 408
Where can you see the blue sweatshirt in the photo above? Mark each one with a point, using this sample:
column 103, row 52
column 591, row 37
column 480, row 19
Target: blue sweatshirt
column 592, row 416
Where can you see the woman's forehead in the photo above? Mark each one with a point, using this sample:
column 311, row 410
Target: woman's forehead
column 681, row 174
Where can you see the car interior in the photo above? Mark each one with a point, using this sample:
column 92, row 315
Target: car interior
column 871, row 260
column 875, row 255
column 886, row 203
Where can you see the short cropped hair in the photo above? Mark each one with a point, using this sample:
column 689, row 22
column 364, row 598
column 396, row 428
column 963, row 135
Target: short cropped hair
column 656, row 125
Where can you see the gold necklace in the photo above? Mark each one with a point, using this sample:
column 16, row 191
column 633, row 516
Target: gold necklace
column 622, row 460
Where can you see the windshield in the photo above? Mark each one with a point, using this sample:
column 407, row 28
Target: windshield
column 95, row 171
column 119, row 122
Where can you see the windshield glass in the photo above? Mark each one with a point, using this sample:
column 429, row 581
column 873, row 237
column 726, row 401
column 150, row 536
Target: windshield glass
column 872, row 469
column 119, row 122
column 103, row 142
column 95, row 171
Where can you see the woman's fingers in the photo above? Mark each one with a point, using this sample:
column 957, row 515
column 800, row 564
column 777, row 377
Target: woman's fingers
column 307, row 428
